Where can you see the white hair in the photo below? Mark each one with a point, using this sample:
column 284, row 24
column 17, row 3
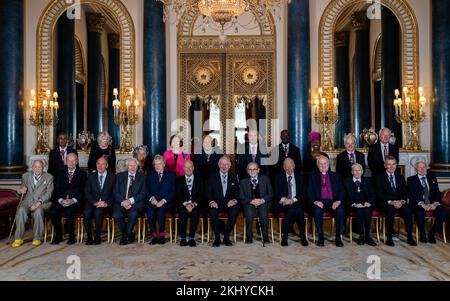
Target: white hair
column 387, row 129
column 133, row 159
column 72, row 155
column 102, row 135
column 357, row 165
column 159, row 158
column 349, row 136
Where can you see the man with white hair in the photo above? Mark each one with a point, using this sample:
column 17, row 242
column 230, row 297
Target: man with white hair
column 350, row 156
column 37, row 188
column 380, row 150
column 129, row 200
column 69, row 193
column 425, row 198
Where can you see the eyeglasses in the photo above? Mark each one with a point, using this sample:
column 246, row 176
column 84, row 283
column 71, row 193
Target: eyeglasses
column 252, row 169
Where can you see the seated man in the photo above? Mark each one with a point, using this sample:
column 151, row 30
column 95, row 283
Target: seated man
column 161, row 192
column 69, row 190
column 361, row 199
column 424, row 196
column 290, row 197
column 325, row 193
column 37, row 187
column 98, row 195
column 222, row 194
column 129, row 199
column 391, row 192
column 190, row 191
column 256, row 196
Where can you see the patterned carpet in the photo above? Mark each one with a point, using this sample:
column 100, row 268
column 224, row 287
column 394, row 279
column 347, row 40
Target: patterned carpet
column 240, row 262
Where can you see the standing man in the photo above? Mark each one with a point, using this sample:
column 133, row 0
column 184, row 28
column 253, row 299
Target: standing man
column 350, row 156
column 256, row 196
column 253, row 152
column 98, row 194
column 129, row 200
column 190, row 192
column 69, row 192
column 379, row 151
column 222, row 194
column 207, row 161
column 287, row 150
column 391, row 191
column 424, row 196
column 37, row 186
column 57, row 157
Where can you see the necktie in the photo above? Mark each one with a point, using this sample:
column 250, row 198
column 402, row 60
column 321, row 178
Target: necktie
column 289, row 187
column 207, row 157
column 286, row 151
column 130, row 186
column 63, row 152
column 36, row 180
column 100, row 182
column 352, row 158
column 386, row 152
column 391, row 180
column 426, row 191
column 70, row 176
column 160, row 176
column 189, row 184
column 253, row 153
column 224, row 184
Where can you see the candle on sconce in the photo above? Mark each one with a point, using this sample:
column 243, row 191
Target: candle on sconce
column 115, row 92
column 136, row 103
column 131, row 92
column 48, row 93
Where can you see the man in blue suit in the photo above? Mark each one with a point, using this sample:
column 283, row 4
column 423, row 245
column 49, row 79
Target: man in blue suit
column 161, row 192
column 129, row 197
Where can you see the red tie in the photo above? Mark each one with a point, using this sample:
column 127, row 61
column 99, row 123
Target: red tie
column 62, row 156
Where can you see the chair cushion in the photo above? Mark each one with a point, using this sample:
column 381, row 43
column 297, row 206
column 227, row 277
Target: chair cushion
column 8, row 199
column 446, row 198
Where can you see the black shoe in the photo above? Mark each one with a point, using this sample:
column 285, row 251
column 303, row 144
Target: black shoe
column 431, row 238
column 284, row 242
column 162, row 240
column 131, row 238
column 320, row 242
column 216, row 243
column 71, row 241
column 89, row 241
column 124, row 240
column 183, row 243
column 154, row 241
column 227, row 242
column 361, row 240
column 97, row 240
column 411, row 241
column 192, row 243
column 370, row 242
column 266, row 240
column 390, row 242
column 56, row 240
column 304, row 241
column 338, row 242
column 249, row 241
column 423, row 238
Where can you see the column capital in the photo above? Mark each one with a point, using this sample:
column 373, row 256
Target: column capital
column 360, row 20
column 341, row 38
column 95, row 22
column 114, row 40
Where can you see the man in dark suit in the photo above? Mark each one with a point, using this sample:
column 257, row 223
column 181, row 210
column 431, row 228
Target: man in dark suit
column 379, row 151
column 424, row 196
column 325, row 193
column 253, row 151
column 290, row 197
column 222, row 194
column 391, row 192
column 361, row 199
column 348, row 157
column 57, row 157
column 130, row 192
column 256, row 195
column 190, row 192
column 287, row 150
column 69, row 190
column 207, row 161
column 161, row 192
column 98, row 194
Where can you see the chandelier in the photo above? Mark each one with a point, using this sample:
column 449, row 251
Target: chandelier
column 220, row 11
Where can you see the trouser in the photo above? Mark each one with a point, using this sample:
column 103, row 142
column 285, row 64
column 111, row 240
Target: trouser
column 155, row 214
column 262, row 212
column 69, row 213
column 364, row 220
column 184, row 215
column 21, row 218
column 439, row 214
column 98, row 213
column 232, row 216
column 120, row 212
column 405, row 212
column 293, row 213
column 327, row 207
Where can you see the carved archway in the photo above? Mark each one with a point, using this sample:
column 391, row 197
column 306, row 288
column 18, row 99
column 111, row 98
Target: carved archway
column 409, row 36
column 45, row 53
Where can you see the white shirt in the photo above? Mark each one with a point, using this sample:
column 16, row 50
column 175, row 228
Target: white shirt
column 355, row 179
column 253, row 149
column 293, row 189
column 285, row 147
column 34, row 179
column 104, row 177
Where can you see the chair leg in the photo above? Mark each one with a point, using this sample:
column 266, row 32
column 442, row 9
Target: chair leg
column 245, row 231
column 108, row 228
column 208, row 226
column 350, row 227
column 383, row 221
column 377, row 220
column 45, row 230
column 314, row 229
column 113, row 230
column 81, row 225
column 332, row 226
column 170, row 229
column 306, row 228
column 417, row 232
column 280, row 225
column 443, row 232
column 235, row 233
column 271, row 229
column 144, row 226
column 201, row 227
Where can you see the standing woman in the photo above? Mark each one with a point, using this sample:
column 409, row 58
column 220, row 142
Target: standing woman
column 141, row 154
column 310, row 161
column 103, row 148
column 175, row 156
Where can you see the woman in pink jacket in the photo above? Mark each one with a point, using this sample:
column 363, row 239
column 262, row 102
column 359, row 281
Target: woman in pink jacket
column 175, row 157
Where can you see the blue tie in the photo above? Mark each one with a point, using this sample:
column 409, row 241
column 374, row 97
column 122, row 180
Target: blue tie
column 289, row 187
column 101, row 182
column 391, row 180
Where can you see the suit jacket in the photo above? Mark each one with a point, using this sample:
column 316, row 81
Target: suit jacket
column 415, row 189
column 315, row 187
column 281, row 188
column 74, row 189
column 165, row 189
column 244, row 158
column 196, row 195
column 92, row 193
column 203, row 168
column 214, row 190
column 293, row 153
column 169, row 156
column 43, row 189
column 375, row 157
column 343, row 165
column 384, row 191
column 139, row 189
column 96, row 153
column 55, row 164
column 366, row 193
column 265, row 190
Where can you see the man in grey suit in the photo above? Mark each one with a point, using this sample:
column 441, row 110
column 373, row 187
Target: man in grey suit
column 37, row 187
column 256, row 196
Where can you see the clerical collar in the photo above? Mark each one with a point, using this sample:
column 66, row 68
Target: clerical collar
column 324, row 173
